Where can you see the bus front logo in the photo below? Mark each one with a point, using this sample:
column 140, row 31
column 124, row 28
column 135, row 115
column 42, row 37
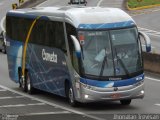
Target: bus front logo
column 49, row 57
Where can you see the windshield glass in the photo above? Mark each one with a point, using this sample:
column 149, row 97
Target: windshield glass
column 127, row 58
column 110, row 53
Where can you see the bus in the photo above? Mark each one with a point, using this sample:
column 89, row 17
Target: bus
column 77, row 2
column 86, row 54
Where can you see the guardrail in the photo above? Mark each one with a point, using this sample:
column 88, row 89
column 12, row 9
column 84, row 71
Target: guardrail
column 26, row 3
column 151, row 62
column 16, row 5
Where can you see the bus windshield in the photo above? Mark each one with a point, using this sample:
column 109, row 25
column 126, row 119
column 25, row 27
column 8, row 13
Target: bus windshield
column 111, row 52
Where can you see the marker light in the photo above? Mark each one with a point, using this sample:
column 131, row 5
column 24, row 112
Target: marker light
column 86, row 96
column 81, row 38
column 142, row 92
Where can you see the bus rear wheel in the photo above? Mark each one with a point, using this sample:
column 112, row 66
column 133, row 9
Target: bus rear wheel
column 19, row 77
column 30, row 88
column 23, row 84
column 126, row 102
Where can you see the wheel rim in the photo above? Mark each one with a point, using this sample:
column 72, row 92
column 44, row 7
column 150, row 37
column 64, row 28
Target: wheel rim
column 71, row 99
column 28, row 83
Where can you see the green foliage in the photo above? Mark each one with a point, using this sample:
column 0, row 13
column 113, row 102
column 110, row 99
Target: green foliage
column 135, row 3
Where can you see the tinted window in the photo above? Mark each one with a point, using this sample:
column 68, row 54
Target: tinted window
column 48, row 33
column 38, row 35
column 17, row 28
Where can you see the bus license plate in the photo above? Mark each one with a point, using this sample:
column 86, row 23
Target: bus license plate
column 115, row 96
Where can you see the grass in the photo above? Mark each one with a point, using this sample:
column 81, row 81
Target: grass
column 135, row 3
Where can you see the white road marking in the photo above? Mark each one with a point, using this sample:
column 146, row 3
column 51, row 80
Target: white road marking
column 149, row 32
column 32, row 104
column 3, row 98
column 48, row 113
column 153, row 34
column 52, row 104
column 21, row 105
column 3, row 90
column 153, row 79
column 42, row 3
column 99, row 3
column 151, row 46
column 19, row 97
column 2, row 3
column 157, row 104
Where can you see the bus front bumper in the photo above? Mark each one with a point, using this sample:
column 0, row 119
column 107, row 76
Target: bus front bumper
column 111, row 94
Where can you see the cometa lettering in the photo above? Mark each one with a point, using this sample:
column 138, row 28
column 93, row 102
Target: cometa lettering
column 49, row 57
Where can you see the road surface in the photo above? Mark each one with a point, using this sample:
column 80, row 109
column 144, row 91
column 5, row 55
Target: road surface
column 42, row 105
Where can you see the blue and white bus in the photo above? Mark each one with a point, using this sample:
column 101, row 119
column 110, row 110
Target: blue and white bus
column 85, row 54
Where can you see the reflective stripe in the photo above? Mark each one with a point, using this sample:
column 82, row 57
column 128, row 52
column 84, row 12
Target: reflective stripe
column 107, row 25
column 25, row 45
column 115, row 83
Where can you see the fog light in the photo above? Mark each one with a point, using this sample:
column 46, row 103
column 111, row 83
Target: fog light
column 86, row 96
column 142, row 92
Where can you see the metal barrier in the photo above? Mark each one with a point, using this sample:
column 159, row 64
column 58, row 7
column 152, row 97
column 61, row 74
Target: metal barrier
column 151, row 62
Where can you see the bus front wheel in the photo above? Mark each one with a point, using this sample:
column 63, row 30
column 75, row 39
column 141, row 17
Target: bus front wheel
column 125, row 102
column 70, row 95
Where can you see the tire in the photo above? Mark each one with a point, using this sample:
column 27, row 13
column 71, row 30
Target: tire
column 70, row 95
column 4, row 50
column 19, row 77
column 126, row 102
column 30, row 88
column 22, row 82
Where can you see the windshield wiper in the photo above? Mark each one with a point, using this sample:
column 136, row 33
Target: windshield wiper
column 103, row 64
column 122, row 64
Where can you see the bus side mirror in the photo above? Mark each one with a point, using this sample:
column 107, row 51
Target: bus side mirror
column 76, row 46
column 147, row 41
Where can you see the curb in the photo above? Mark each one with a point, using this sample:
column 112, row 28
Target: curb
column 31, row 3
column 140, row 8
column 151, row 62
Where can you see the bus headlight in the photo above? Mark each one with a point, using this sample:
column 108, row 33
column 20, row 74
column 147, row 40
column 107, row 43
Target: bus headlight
column 88, row 86
column 86, row 96
column 77, row 85
column 142, row 92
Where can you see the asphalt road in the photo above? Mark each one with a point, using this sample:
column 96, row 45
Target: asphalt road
column 42, row 105
column 148, row 21
column 5, row 5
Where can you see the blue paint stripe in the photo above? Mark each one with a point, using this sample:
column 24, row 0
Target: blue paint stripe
column 117, row 83
column 107, row 25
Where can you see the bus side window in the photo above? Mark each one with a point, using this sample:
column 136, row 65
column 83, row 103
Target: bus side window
column 38, row 33
column 50, row 34
column 60, row 39
column 9, row 26
column 55, row 35
column 72, row 31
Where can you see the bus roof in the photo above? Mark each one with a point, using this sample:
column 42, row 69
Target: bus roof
column 81, row 17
